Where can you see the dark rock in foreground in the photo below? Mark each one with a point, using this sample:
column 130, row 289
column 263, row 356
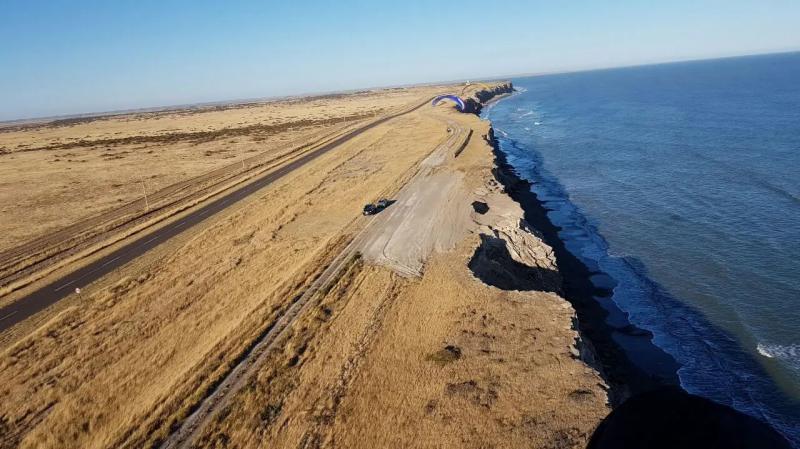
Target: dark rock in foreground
column 671, row 418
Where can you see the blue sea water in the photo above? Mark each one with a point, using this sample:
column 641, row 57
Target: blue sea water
column 682, row 183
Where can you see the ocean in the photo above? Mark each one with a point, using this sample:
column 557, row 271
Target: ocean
column 679, row 186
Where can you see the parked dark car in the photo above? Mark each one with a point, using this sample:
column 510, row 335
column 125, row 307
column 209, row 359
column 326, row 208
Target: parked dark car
column 372, row 209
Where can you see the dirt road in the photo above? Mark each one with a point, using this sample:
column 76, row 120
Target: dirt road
column 419, row 220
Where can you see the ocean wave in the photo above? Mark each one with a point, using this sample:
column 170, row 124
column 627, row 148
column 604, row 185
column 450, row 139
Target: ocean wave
column 725, row 367
column 750, row 176
column 618, row 254
column 488, row 108
column 787, row 353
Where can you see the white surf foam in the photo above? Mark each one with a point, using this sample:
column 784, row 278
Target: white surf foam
column 786, row 353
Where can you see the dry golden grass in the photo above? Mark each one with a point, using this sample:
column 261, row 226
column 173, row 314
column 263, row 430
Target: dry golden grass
column 382, row 361
column 378, row 360
column 507, row 379
column 442, row 361
column 55, row 175
column 114, row 370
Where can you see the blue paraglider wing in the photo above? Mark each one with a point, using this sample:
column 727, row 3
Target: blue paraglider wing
column 454, row 98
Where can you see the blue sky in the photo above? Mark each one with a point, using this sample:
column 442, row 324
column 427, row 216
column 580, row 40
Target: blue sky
column 64, row 57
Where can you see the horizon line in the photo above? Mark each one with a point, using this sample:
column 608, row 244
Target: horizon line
column 649, row 64
column 242, row 101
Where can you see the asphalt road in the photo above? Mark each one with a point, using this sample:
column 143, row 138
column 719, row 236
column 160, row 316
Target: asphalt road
column 44, row 297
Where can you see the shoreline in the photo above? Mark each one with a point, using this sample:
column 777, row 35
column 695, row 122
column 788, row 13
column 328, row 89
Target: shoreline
column 598, row 346
column 624, row 354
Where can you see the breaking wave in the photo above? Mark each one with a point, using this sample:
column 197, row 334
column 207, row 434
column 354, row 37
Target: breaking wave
column 789, row 354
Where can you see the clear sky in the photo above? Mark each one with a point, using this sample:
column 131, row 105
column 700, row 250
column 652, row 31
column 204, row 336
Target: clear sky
column 73, row 56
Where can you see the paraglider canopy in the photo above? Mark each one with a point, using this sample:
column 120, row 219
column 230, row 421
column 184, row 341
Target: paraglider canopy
column 454, row 98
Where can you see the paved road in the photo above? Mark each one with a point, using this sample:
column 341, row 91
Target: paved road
column 42, row 252
column 46, row 296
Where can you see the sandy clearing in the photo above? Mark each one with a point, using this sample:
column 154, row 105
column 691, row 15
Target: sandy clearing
column 417, row 225
column 427, row 214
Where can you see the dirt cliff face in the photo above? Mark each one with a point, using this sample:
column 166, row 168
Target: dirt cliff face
column 448, row 332
column 474, row 104
column 510, row 259
column 480, row 350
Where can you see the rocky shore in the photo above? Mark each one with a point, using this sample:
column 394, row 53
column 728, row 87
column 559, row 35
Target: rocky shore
column 597, row 346
column 623, row 376
column 649, row 406
column 475, row 103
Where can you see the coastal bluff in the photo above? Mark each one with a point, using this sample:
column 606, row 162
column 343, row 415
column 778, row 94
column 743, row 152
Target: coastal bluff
column 474, row 104
column 290, row 317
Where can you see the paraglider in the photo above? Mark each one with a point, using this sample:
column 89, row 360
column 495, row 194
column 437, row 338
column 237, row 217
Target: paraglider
column 454, row 98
